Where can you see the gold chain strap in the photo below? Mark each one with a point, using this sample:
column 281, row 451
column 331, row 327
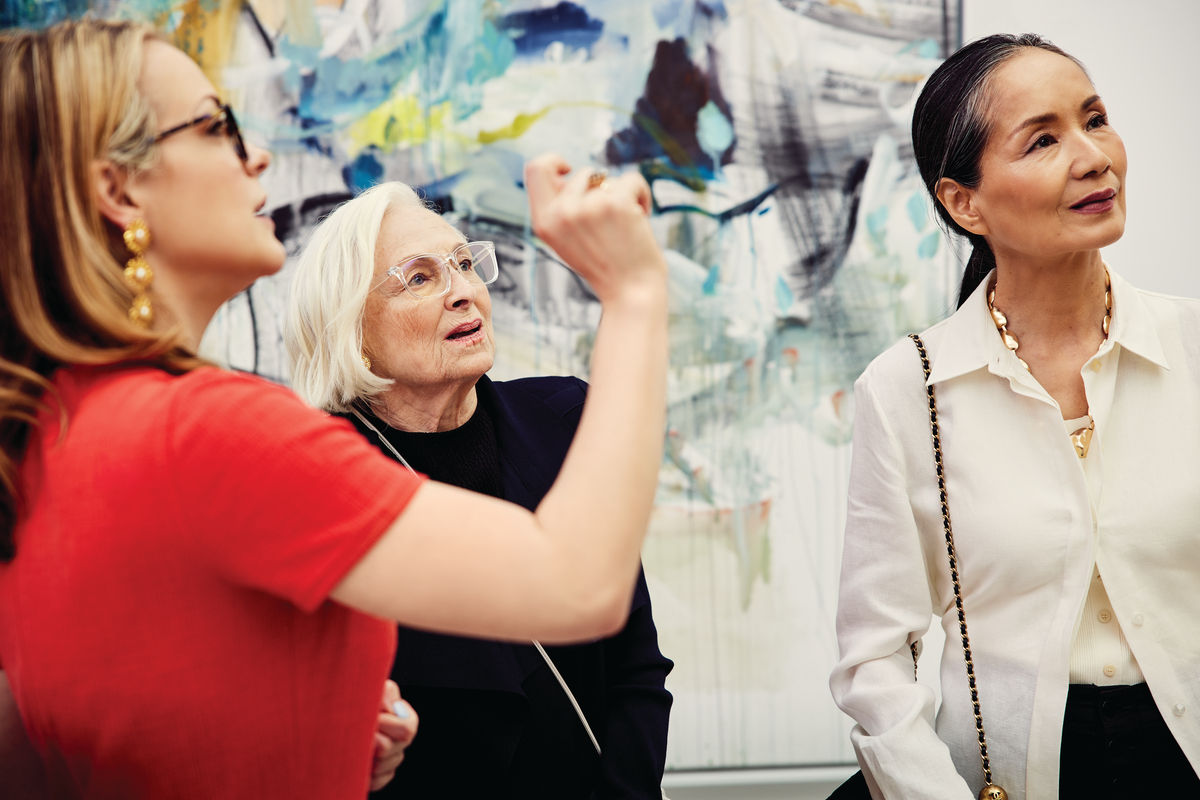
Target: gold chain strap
column 990, row 790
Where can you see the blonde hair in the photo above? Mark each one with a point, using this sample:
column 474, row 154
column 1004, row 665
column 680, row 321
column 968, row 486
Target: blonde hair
column 68, row 98
column 336, row 271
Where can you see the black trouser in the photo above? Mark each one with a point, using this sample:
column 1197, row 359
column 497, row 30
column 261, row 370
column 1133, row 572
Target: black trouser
column 1115, row 744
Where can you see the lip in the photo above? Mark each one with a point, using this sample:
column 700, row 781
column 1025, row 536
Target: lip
column 474, row 327
column 1096, row 202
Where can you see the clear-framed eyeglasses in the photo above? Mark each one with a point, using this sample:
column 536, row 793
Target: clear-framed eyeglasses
column 432, row 274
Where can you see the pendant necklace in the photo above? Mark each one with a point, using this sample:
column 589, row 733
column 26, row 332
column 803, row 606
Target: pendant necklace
column 1082, row 437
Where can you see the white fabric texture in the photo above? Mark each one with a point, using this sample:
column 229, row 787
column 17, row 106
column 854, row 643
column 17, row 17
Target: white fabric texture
column 1027, row 542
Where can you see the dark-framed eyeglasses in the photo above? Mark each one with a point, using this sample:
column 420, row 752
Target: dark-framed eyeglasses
column 432, row 274
column 222, row 121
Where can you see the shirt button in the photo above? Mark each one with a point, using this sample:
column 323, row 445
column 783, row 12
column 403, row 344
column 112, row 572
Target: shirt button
column 1096, row 365
column 1138, row 619
column 1179, row 709
column 1105, row 615
column 1110, row 670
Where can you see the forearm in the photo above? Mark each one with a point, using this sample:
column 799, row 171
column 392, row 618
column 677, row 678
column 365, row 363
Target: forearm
column 600, row 505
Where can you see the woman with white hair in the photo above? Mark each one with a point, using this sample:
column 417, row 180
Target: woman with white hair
column 196, row 569
column 390, row 326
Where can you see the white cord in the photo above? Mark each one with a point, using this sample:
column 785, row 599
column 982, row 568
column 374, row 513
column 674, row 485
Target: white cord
column 570, row 695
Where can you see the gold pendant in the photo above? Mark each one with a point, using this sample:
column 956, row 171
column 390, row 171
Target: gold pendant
column 1082, row 439
column 992, row 792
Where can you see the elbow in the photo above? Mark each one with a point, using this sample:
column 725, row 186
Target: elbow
column 596, row 614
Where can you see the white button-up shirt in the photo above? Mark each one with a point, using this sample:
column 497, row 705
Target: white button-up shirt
column 1027, row 540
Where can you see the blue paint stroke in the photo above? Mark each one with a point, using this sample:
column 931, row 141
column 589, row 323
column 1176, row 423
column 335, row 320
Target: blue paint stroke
column 712, row 280
column 534, row 30
column 783, row 295
column 918, row 211
column 714, row 131
column 363, row 172
column 877, row 222
column 929, row 245
column 452, row 61
column 39, row 13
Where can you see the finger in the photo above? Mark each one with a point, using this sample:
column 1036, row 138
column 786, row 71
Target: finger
column 633, row 186
column 399, row 730
column 391, row 694
column 543, row 177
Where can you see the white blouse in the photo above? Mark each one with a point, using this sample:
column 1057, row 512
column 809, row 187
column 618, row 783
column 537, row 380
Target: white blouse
column 1027, row 542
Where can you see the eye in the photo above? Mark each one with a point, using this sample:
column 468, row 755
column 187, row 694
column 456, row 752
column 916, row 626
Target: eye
column 219, row 125
column 1097, row 121
column 1045, row 140
column 466, row 264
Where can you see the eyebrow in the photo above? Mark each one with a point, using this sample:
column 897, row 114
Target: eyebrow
column 1042, row 119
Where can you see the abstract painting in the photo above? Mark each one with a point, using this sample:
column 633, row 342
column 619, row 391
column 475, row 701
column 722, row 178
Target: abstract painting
column 774, row 135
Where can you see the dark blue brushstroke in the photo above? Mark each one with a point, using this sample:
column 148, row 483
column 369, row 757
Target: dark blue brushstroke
column 39, row 13
column 363, row 172
column 534, row 30
column 676, row 90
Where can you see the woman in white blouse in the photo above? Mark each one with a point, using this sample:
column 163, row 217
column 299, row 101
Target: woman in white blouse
column 1067, row 399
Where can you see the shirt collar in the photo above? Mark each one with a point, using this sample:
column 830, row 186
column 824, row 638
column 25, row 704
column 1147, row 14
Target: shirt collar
column 977, row 345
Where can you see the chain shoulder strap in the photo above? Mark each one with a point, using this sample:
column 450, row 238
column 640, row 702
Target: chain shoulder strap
column 990, row 790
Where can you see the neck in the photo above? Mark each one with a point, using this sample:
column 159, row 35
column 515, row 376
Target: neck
column 1064, row 298
column 426, row 410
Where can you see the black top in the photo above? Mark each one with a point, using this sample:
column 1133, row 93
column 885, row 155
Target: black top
column 494, row 721
column 466, row 456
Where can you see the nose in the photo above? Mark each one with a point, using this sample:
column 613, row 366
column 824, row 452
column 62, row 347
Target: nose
column 257, row 159
column 462, row 289
column 1090, row 157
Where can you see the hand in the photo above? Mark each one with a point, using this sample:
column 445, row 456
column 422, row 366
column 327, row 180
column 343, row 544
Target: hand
column 601, row 231
column 396, row 729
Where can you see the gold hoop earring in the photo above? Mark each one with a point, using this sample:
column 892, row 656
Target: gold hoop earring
column 366, row 361
column 138, row 275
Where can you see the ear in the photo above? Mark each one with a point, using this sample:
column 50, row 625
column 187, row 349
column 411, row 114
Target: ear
column 959, row 201
column 111, row 186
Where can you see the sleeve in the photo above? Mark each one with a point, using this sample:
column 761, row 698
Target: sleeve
column 638, row 706
column 883, row 605
column 275, row 495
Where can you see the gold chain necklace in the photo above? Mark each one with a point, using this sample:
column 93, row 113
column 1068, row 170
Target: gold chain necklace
column 1081, row 438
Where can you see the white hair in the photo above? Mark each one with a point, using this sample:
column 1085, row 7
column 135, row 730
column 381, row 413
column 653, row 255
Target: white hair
column 336, row 271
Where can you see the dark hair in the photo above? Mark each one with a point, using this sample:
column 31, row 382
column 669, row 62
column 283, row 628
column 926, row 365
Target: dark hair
column 950, row 130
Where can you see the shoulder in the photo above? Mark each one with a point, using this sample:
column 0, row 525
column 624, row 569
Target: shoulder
column 560, row 394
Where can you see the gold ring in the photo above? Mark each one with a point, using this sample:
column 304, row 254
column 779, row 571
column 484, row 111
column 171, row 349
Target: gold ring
column 596, row 178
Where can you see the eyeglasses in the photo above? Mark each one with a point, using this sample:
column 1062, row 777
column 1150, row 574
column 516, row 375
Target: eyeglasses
column 429, row 274
column 222, row 121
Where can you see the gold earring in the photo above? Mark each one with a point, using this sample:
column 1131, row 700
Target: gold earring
column 138, row 275
column 366, row 361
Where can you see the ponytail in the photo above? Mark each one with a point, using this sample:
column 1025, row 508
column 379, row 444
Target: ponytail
column 981, row 262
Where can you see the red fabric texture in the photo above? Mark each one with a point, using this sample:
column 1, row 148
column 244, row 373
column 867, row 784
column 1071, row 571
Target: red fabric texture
column 164, row 624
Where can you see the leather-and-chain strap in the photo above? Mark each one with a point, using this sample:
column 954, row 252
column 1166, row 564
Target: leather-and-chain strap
column 990, row 791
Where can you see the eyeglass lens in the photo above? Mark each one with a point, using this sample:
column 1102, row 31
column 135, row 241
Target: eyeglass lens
column 428, row 275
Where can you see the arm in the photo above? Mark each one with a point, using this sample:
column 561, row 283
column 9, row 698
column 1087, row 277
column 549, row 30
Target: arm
column 461, row 563
column 21, row 770
column 634, row 737
column 883, row 603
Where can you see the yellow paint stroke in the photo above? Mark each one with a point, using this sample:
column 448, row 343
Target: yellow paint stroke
column 524, row 121
column 206, row 36
column 300, row 24
column 399, row 121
